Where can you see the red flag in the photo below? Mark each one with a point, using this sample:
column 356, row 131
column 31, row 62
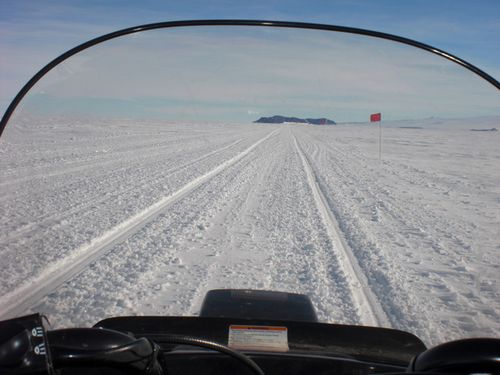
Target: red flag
column 376, row 117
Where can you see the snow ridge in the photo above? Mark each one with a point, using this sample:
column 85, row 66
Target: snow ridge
column 370, row 311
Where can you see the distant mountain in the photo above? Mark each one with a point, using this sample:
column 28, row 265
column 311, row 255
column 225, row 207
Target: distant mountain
column 282, row 119
column 484, row 130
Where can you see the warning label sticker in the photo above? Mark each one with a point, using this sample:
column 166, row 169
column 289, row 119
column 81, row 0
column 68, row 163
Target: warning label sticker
column 258, row 338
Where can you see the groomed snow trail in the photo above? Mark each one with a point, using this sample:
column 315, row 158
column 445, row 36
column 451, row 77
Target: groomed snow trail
column 272, row 240
column 417, row 222
column 235, row 230
column 51, row 218
column 16, row 303
column 369, row 308
column 144, row 218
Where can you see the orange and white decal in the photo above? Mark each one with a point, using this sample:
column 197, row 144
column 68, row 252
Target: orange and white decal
column 268, row 338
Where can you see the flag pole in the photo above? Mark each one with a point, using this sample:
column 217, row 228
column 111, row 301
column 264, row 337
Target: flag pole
column 377, row 117
column 380, row 140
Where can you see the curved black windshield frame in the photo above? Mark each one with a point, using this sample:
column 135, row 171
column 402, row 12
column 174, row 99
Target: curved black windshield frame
column 300, row 25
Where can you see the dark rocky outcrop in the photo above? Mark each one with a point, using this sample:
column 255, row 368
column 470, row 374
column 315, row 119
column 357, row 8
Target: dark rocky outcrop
column 282, row 119
column 484, row 130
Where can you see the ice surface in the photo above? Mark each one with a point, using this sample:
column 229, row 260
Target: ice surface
column 116, row 217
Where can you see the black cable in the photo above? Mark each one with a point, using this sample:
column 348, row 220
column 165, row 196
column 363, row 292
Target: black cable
column 186, row 340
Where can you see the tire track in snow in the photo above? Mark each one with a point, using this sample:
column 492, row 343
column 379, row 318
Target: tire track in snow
column 394, row 267
column 239, row 264
column 43, row 220
column 370, row 311
column 33, row 172
column 241, row 248
column 19, row 300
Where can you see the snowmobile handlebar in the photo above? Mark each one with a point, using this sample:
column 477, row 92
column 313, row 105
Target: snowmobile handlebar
column 26, row 347
column 77, row 347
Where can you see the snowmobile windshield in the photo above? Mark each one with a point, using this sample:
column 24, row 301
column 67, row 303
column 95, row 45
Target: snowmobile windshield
column 363, row 172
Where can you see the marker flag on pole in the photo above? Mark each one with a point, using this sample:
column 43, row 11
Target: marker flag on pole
column 376, row 117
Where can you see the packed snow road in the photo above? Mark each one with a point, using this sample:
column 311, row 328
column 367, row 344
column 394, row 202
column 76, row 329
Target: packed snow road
column 126, row 219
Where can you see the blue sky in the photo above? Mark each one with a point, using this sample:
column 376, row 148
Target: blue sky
column 34, row 32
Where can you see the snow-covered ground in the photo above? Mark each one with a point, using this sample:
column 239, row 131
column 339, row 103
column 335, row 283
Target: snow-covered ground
column 117, row 217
